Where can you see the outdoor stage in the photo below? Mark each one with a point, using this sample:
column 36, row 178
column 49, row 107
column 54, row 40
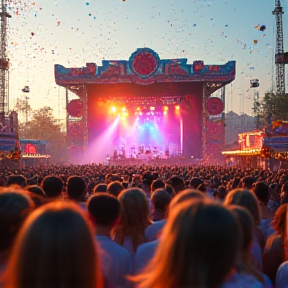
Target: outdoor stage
column 145, row 109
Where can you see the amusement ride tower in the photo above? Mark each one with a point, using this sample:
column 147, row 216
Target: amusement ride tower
column 4, row 63
column 279, row 53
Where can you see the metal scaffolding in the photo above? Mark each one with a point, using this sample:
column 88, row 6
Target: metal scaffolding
column 279, row 53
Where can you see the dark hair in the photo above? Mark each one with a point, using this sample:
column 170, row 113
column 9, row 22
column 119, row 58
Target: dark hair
column 37, row 190
column 202, row 188
column 104, row 208
column 15, row 205
column 115, row 188
column 18, row 180
column 76, row 188
column 261, row 191
column 160, row 199
column 102, row 187
column 59, row 232
column 52, row 186
column 248, row 182
column 169, row 189
column 156, row 184
column 195, row 182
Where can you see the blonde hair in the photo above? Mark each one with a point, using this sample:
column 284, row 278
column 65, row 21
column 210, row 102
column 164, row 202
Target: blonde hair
column 197, row 248
column 134, row 217
column 247, row 199
column 54, row 248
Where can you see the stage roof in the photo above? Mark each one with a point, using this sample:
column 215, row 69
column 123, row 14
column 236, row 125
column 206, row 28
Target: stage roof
column 145, row 67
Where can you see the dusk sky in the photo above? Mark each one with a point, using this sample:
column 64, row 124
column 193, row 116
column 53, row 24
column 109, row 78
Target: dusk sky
column 73, row 32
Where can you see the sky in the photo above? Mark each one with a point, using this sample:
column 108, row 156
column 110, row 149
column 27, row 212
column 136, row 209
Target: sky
column 74, row 32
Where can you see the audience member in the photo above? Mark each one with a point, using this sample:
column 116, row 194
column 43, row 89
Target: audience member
column 53, row 186
column 15, row 205
column 116, row 263
column 54, row 248
column 134, row 219
column 186, row 255
column 17, row 180
column 160, row 200
column 115, row 188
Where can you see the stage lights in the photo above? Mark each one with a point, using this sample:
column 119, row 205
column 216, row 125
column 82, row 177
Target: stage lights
column 165, row 108
column 113, row 109
column 152, row 108
column 177, row 108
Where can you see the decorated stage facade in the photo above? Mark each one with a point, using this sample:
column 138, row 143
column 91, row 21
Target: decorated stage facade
column 168, row 100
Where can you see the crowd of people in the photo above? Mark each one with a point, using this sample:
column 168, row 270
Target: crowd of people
column 143, row 226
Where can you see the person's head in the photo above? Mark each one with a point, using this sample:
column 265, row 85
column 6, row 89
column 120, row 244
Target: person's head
column 244, row 198
column 279, row 220
column 54, row 248
column 37, row 190
column 115, row 188
column 261, row 191
column 100, row 188
column 157, row 184
column 195, row 182
column 187, row 194
column 105, row 209
column 160, row 200
column 221, row 193
column 17, row 180
column 246, row 222
column 202, row 188
column 177, row 183
column 147, row 179
column 15, row 205
column 76, row 188
column 197, row 248
column 248, row 182
column 134, row 215
column 246, row 225
column 52, row 186
column 170, row 190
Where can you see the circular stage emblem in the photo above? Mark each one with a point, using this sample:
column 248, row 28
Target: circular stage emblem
column 214, row 106
column 144, row 62
column 75, row 108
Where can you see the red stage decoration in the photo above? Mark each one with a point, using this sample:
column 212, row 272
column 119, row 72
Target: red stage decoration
column 75, row 129
column 30, row 149
column 144, row 62
column 214, row 106
column 75, row 108
column 198, row 66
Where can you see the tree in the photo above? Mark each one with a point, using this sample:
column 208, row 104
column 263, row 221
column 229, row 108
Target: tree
column 275, row 105
column 44, row 126
column 23, row 108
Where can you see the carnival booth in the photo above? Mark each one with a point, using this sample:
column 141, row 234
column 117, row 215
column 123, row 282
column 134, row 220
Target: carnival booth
column 265, row 149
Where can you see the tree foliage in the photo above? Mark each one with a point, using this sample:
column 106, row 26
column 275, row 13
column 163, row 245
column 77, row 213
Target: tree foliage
column 42, row 125
column 276, row 105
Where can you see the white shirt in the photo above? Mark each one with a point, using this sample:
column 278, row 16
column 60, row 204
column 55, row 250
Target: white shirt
column 152, row 231
column 116, row 262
